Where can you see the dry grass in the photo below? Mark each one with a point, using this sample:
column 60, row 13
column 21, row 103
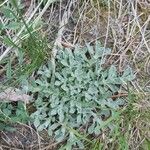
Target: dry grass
column 123, row 26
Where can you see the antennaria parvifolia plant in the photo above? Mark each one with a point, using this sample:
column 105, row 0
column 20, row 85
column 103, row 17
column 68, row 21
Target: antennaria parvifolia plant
column 80, row 96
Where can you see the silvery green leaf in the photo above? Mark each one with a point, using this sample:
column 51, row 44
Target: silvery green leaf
column 97, row 118
column 92, row 61
column 104, row 75
column 58, row 83
column 65, row 88
column 58, row 132
column 111, row 104
column 47, row 73
column 107, row 51
column 61, row 115
column 65, row 74
column 44, row 125
column 54, row 112
column 92, row 89
column 40, row 128
column 79, row 120
column 72, row 103
column 49, row 65
column 80, row 144
column 105, row 112
column 85, row 118
column 63, row 130
column 112, row 73
column 53, row 105
column 101, row 51
column 127, row 72
column 78, row 105
column 112, row 127
column 53, row 119
column 69, row 52
column 39, row 82
column 36, row 122
column 59, row 136
column 113, row 88
column 65, row 63
column 88, row 96
column 78, row 73
column 101, row 90
column 72, row 107
column 50, row 132
column 72, row 110
column 103, row 103
column 120, row 101
column 91, row 128
column 68, row 146
column 58, row 76
column 128, row 75
column 71, row 136
column 98, row 50
column 54, row 126
column 97, row 130
column 90, row 49
column 84, row 57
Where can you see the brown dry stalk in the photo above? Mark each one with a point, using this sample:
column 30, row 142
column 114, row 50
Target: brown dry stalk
column 66, row 44
column 119, row 95
column 62, row 23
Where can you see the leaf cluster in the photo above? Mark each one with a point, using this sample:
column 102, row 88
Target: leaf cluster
column 80, row 96
column 12, row 113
